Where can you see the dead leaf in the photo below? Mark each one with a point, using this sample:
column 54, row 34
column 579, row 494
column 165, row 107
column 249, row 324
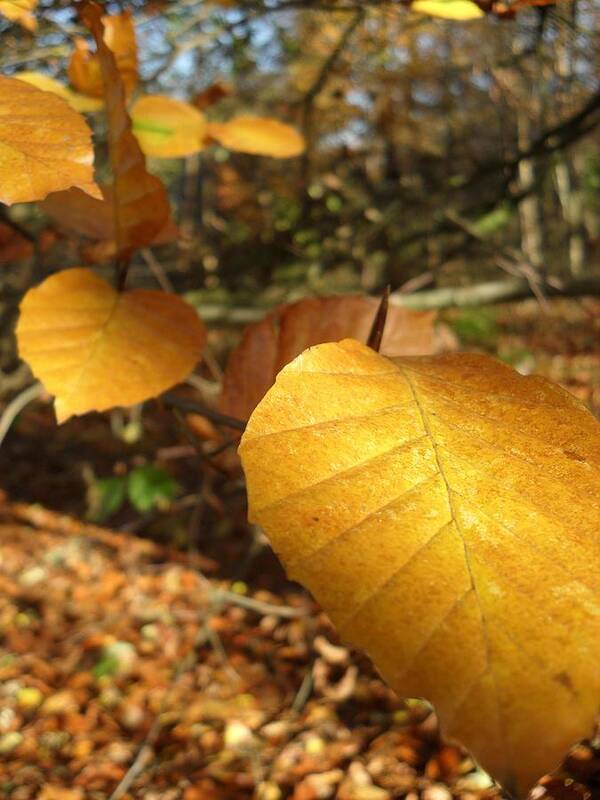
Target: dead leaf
column 212, row 95
column 268, row 345
column 83, row 70
column 259, row 136
column 141, row 204
column 94, row 348
column 20, row 11
column 45, row 146
column 79, row 102
column 168, row 128
column 444, row 511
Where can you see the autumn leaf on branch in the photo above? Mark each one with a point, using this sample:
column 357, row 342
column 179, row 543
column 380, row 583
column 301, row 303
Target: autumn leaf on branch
column 267, row 346
column 45, row 146
column 444, row 511
column 140, row 201
column 79, row 102
column 259, row 136
column 168, row 128
column 95, row 348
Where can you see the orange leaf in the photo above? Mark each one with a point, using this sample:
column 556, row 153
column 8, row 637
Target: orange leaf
column 45, row 146
column 444, row 511
column 270, row 344
column 94, row 348
column 20, row 11
column 141, row 204
column 84, row 69
column 212, row 95
column 79, row 102
column 168, row 128
column 259, row 136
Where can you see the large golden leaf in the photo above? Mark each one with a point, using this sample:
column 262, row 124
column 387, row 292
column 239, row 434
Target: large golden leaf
column 445, row 511
column 20, row 11
column 259, row 136
column 94, row 348
column 168, row 128
column 140, row 200
column 45, row 146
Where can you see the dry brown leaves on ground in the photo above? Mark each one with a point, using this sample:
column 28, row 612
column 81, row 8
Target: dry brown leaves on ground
column 122, row 665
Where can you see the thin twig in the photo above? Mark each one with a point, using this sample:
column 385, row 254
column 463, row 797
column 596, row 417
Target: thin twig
column 223, row 596
column 194, row 406
column 16, row 405
column 378, row 327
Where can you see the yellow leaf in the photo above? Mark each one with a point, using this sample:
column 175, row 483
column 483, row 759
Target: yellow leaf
column 259, row 136
column 167, row 128
column 79, row 102
column 45, row 146
column 94, row 348
column 84, row 70
column 141, row 203
column 448, row 9
column 20, row 11
column 445, row 511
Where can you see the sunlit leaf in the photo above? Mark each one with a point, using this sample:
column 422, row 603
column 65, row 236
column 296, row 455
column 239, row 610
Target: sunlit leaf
column 444, row 511
column 94, row 348
column 84, row 69
column 45, row 146
column 20, row 11
column 141, row 204
column 167, row 128
column 259, row 136
column 268, row 345
column 77, row 101
column 448, row 9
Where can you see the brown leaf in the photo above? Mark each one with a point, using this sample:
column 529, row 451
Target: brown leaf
column 141, row 205
column 268, row 345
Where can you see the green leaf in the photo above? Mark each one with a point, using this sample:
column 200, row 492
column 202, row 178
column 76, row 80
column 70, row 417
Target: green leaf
column 151, row 487
column 105, row 497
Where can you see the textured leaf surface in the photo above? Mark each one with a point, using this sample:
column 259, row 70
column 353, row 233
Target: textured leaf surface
column 20, row 11
column 448, row 9
column 94, row 348
column 268, row 345
column 445, row 511
column 140, row 201
column 45, row 146
column 259, row 136
column 168, row 128
column 79, row 102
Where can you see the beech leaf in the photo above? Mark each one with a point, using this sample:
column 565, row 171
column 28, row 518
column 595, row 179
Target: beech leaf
column 141, row 204
column 460, row 10
column 45, row 146
column 168, row 128
column 259, row 136
column 94, row 348
column 445, row 512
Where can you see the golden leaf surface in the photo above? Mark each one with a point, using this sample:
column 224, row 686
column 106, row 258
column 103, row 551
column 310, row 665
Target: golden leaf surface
column 79, row 102
column 168, row 128
column 445, row 511
column 140, row 200
column 20, row 11
column 260, row 136
column 94, row 348
column 459, row 10
column 45, row 146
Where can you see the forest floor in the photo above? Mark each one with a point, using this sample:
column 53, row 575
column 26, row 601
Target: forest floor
column 183, row 665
